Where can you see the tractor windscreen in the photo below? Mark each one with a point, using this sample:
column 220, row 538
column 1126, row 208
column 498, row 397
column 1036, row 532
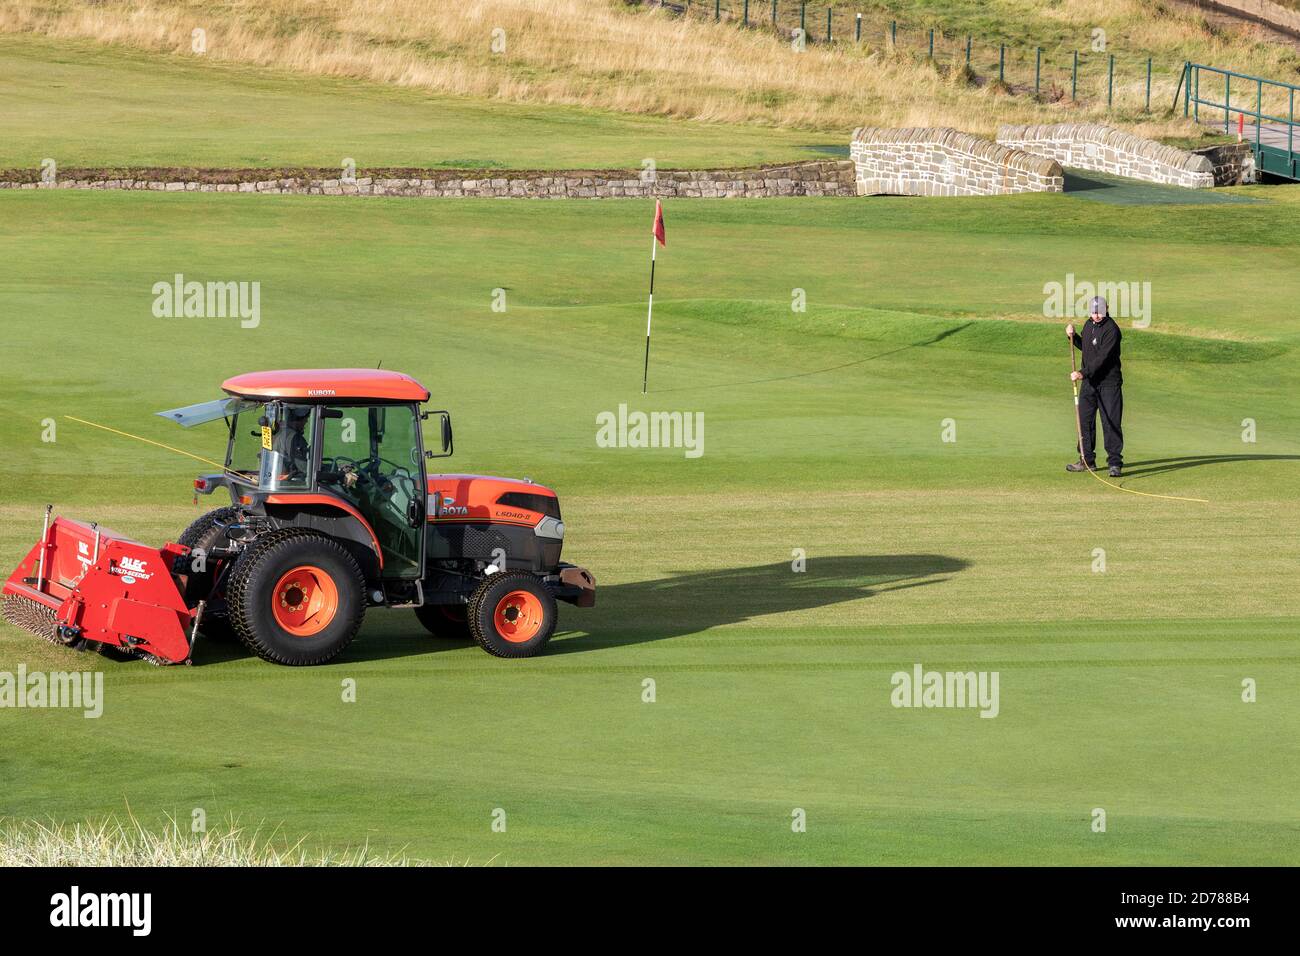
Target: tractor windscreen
column 270, row 445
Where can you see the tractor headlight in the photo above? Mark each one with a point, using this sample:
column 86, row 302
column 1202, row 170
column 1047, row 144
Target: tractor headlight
column 549, row 528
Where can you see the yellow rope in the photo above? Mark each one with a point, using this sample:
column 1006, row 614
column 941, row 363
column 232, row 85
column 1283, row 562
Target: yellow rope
column 1144, row 494
column 206, row 461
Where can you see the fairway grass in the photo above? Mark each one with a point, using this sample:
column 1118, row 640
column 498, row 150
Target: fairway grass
column 1119, row 690
column 85, row 104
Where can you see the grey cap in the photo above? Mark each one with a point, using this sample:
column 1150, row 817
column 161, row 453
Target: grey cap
column 1097, row 306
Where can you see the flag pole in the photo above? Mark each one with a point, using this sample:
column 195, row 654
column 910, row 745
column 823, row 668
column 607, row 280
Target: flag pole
column 650, row 309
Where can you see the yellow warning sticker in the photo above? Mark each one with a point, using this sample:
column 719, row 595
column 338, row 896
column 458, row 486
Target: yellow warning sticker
column 266, row 437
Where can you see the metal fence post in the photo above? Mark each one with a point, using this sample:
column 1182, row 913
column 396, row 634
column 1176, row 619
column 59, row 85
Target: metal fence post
column 1110, row 81
column 1227, row 99
column 828, row 24
column 746, row 20
column 1074, row 82
column 1148, row 84
column 893, row 32
column 1038, row 68
column 717, row 10
column 1002, row 62
column 773, row 12
column 968, row 51
column 803, row 13
column 1259, row 111
column 858, row 35
column 932, row 43
column 1196, row 99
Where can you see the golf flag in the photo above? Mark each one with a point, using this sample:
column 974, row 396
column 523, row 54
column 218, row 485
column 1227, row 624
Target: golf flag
column 659, row 237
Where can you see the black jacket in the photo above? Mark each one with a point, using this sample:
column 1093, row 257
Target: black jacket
column 1100, row 344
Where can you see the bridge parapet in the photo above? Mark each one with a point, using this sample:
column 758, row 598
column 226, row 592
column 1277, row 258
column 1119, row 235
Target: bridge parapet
column 1104, row 149
column 941, row 161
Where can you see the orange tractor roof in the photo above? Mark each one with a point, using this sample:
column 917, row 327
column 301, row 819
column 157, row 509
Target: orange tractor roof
column 324, row 383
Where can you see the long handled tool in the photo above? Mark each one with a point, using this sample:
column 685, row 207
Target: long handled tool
column 1078, row 422
column 1078, row 429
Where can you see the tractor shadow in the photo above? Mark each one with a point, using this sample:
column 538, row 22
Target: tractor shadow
column 1159, row 466
column 660, row 609
column 684, row 604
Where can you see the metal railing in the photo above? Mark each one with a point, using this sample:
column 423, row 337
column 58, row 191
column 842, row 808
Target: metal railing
column 1120, row 80
column 1199, row 84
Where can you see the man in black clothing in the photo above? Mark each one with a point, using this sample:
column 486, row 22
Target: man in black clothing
column 1100, row 388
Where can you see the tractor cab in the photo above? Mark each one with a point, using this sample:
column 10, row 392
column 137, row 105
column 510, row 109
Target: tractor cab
column 339, row 448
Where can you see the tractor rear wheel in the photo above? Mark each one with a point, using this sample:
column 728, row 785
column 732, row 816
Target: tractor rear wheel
column 512, row 614
column 447, row 621
column 206, row 532
column 296, row 597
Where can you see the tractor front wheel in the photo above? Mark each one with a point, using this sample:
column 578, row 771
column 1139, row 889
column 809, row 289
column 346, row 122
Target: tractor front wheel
column 296, row 597
column 512, row 614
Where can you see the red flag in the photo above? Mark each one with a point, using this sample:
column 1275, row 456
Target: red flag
column 659, row 224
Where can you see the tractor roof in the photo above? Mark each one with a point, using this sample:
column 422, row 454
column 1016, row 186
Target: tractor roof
column 326, row 383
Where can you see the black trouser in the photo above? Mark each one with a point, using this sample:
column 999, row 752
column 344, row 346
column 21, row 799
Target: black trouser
column 1109, row 400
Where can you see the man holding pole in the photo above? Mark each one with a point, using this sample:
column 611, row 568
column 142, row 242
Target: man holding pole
column 1098, row 387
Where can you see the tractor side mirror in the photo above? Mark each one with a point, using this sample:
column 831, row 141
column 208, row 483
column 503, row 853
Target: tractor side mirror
column 448, row 443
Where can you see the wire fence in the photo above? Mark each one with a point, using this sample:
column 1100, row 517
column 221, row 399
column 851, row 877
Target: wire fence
column 1119, row 80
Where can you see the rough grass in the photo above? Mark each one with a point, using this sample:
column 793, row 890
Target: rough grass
column 645, row 61
column 112, row 841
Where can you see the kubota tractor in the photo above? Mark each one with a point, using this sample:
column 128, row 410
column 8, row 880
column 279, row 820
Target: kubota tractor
column 331, row 512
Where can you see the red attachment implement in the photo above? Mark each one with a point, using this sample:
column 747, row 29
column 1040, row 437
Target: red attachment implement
column 82, row 584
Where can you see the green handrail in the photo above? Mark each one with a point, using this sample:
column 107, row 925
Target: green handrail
column 1269, row 158
column 1227, row 106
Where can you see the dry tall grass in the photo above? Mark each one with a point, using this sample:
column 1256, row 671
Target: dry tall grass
column 113, row 842
column 593, row 53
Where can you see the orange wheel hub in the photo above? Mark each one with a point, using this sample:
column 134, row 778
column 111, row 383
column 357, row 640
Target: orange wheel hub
column 304, row 600
column 519, row 616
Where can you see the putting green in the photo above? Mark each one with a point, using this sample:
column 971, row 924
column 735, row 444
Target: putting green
column 1119, row 690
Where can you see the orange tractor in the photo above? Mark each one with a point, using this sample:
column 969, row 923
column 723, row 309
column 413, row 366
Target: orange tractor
column 331, row 513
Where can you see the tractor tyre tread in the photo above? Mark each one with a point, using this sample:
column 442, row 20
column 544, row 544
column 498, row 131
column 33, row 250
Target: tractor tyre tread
column 493, row 588
column 250, row 565
column 203, row 533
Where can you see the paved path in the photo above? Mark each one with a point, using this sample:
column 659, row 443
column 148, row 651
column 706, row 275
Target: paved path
column 1272, row 134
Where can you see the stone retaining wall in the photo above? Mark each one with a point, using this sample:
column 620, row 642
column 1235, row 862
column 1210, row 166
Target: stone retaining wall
column 1105, row 149
column 1234, row 163
column 940, row 161
column 819, row 178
